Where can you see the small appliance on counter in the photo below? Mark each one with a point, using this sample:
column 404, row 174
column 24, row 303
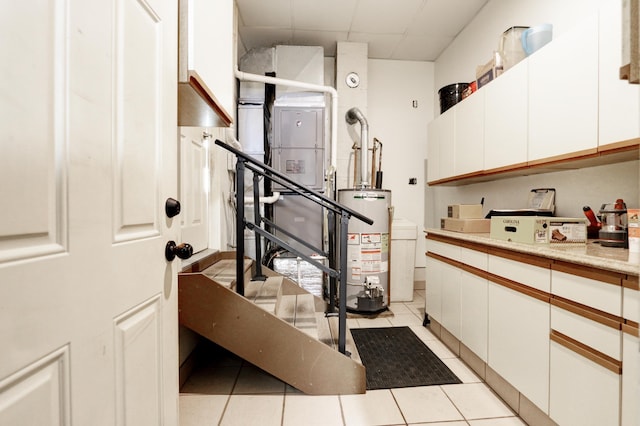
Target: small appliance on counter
column 541, row 203
column 614, row 229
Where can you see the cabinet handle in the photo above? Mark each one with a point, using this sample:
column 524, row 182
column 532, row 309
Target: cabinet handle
column 588, row 352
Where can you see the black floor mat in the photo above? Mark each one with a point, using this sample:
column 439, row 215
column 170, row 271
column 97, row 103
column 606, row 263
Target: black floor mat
column 396, row 358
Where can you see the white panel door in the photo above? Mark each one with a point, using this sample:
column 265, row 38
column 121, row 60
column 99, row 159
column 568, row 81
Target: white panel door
column 194, row 175
column 88, row 303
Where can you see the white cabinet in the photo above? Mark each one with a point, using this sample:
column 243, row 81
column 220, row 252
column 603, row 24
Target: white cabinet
column 469, row 134
column 563, row 94
column 206, row 82
column 582, row 392
column 630, row 374
column 586, row 345
column 441, row 146
column 619, row 106
column 451, row 299
column 518, row 344
column 442, row 285
column 630, row 355
column 506, row 117
column 585, row 366
column 474, row 308
column 433, row 289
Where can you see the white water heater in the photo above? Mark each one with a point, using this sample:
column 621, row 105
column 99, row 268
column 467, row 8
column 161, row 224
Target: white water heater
column 368, row 249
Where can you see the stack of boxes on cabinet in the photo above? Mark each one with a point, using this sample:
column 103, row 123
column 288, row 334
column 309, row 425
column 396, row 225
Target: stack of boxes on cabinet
column 466, row 218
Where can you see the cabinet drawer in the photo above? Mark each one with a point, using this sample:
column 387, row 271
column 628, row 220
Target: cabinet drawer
column 529, row 275
column 598, row 336
column 474, row 258
column 447, row 250
column 587, row 291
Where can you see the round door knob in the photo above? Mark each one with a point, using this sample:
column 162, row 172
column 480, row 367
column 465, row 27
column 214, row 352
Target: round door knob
column 172, row 207
column 183, row 251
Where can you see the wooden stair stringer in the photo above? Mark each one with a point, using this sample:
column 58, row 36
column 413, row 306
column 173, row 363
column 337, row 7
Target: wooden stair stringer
column 260, row 337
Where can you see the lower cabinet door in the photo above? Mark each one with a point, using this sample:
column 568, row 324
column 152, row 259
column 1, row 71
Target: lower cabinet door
column 630, row 374
column 582, row 392
column 518, row 347
column 473, row 313
column 433, row 289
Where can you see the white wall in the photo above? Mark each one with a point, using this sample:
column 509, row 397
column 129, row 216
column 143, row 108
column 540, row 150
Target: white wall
column 402, row 129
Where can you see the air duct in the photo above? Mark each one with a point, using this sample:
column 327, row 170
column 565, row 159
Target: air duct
column 353, row 116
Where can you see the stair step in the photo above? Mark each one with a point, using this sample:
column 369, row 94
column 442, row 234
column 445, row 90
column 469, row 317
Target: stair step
column 264, row 293
column 224, row 271
column 299, row 311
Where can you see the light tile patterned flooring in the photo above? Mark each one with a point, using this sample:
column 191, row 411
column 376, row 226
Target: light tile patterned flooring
column 229, row 391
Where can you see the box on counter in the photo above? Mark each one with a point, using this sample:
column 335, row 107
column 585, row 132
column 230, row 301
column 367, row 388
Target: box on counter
column 489, row 71
column 539, row 229
column 466, row 225
column 465, row 211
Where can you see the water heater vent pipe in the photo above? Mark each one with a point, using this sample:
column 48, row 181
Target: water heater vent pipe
column 353, row 116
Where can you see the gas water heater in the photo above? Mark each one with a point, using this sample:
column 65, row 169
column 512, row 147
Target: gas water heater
column 367, row 245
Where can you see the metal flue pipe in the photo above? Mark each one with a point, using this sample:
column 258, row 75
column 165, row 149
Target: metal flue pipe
column 353, row 116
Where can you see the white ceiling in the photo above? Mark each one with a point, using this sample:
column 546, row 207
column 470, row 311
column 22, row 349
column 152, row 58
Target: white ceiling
column 394, row 29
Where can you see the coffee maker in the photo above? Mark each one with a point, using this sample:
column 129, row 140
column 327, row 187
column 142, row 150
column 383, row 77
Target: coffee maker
column 614, row 230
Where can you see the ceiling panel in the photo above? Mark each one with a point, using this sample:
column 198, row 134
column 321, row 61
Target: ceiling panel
column 325, row 15
column 393, row 29
column 385, row 16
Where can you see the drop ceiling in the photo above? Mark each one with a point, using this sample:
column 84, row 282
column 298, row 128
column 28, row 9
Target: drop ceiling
column 417, row 30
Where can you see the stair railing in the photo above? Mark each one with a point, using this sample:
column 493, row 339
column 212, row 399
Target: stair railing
column 337, row 214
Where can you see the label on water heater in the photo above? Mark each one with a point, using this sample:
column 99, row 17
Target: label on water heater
column 365, row 253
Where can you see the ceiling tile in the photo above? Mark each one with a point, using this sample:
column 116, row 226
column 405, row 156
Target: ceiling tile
column 380, row 46
column 385, row 16
column 326, row 15
column 420, row 48
column 260, row 13
column 253, row 37
column 326, row 39
column 445, row 17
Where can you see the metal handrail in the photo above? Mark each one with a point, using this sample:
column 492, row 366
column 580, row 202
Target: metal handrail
column 334, row 209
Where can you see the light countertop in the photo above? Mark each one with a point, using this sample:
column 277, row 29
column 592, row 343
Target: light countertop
column 590, row 254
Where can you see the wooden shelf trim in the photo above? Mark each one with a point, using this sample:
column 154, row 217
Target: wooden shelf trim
column 601, row 317
column 203, row 90
column 611, row 153
column 631, row 327
column 589, row 272
column 631, row 282
column 588, row 352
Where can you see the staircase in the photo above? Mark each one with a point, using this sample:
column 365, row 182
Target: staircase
column 277, row 325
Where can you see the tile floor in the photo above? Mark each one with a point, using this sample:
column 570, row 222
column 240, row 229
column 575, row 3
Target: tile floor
column 229, row 391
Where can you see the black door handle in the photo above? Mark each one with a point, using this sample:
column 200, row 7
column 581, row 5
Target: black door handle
column 172, row 207
column 183, row 251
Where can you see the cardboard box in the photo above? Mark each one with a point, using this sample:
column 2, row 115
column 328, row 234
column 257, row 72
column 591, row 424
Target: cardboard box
column 539, row 229
column 465, row 211
column 466, row 225
column 489, row 71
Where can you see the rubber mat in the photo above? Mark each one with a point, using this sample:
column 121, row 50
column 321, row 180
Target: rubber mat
column 395, row 357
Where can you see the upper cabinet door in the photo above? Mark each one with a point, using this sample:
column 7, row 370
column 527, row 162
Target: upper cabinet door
column 506, row 117
column 205, row 63
column 619, row 101
column 470, row 134
column 441, row 146
column 563, row 94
